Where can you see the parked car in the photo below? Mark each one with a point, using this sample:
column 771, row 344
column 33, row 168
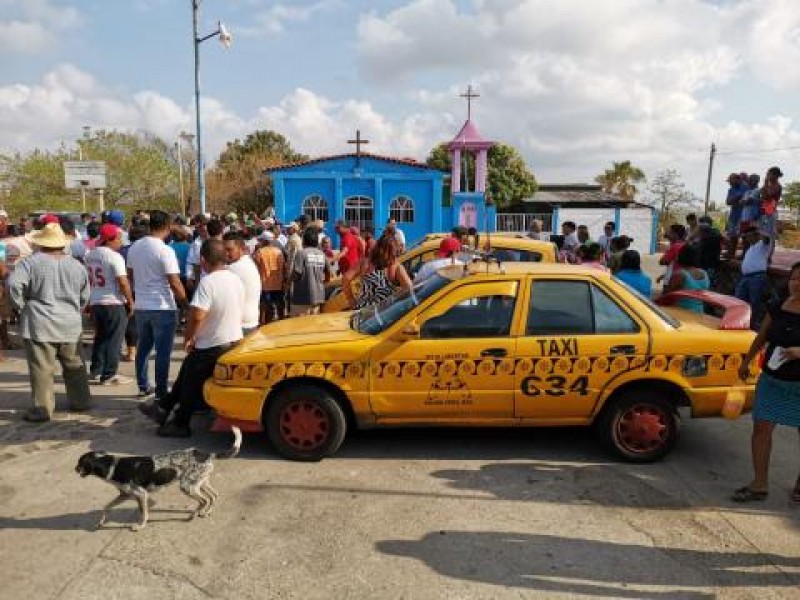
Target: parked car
column 502, row 247
column 516, row 344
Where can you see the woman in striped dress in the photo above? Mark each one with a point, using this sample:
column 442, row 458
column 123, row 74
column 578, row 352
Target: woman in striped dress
column 383, row 274
column 778, row 389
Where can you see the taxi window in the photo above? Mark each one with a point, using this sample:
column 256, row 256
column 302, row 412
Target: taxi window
column 609, row 317
column 575, row 307
column 482, row 316
column 560, row 307
column 513, row 255
column 413, row 265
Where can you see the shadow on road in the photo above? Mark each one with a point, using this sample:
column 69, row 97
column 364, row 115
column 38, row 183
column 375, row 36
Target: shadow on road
column 557, row 564
column 87, row 521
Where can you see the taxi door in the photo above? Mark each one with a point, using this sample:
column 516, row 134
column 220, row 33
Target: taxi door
column 459, row 364
column 577, row 337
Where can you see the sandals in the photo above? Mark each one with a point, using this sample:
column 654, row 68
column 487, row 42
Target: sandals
column 745, row 494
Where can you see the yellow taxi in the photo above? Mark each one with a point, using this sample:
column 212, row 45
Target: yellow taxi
column 504, row 247
column 515, row 344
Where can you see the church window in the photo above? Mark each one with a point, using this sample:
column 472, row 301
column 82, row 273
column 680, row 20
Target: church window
column 402, row 209
column 315, row 207
column 359, row 211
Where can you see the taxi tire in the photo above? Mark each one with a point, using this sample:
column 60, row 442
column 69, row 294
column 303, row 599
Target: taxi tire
column 318, row 406
column 651, row 408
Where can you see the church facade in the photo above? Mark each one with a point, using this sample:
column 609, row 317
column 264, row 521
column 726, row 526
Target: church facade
column 366, row 190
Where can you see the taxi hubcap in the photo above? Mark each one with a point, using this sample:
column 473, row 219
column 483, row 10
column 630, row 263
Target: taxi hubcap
column 304, row 425
column 643, row 428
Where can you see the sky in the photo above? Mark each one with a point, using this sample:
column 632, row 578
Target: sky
column 573, row 84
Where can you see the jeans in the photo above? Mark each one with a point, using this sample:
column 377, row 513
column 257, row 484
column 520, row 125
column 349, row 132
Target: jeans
column 155, row 328
column 110, row 322
column 187, row 392
column 750, row 288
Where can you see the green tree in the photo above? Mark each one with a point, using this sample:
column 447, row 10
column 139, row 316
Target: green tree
column 36, row 182
column 791, row 195
column 237, row 181
column 141, row 168
column 509, row 180
column 621, row 179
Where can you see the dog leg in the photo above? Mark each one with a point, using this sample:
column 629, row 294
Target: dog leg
column 141, row 498
column 119, row 499
column 206, row 510
column 191, row 490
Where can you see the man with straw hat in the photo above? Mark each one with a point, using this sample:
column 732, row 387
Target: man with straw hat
column 50, row 289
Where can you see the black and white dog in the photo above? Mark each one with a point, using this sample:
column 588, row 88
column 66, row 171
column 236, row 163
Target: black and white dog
column 136, row 476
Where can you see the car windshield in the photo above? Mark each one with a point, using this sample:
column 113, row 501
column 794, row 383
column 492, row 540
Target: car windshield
column 378, row 317
column 670, row 320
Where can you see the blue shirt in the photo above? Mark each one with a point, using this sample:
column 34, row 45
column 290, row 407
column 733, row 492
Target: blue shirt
column 637, row 280
column 181, row 252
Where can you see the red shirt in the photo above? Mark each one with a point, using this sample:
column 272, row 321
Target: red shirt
column 770, row 196
column 353, row 257
column 672, row 252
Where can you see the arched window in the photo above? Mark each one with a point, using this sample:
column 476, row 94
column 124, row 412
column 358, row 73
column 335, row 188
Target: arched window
column 402, row 209
column 359, row 211
column 315, row 207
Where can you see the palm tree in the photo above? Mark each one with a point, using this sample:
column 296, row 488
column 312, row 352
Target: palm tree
column 621, row 179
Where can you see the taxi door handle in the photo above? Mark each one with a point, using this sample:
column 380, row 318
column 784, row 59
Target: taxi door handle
column 624, row 349
column 496, row 352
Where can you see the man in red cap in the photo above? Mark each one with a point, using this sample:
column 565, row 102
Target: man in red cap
column 446, row 256
column 111, row 303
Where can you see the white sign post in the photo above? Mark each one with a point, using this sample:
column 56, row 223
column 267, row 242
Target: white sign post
column 83, row 174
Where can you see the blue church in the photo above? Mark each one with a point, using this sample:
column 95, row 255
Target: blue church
column 366, row 190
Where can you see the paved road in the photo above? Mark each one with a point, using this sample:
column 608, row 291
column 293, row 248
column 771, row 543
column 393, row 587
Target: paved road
column 400, row 514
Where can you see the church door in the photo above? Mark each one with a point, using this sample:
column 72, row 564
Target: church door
column 468, row 215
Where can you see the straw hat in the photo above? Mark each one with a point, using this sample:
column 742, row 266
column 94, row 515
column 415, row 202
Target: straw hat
column 49, row 236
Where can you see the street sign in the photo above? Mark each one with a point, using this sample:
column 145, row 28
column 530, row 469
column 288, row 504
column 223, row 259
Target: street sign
column 85, row 174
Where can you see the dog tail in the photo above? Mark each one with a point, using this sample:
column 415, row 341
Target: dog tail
column 237, row 444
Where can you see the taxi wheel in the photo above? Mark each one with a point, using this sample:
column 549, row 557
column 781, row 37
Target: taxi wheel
column 640, row 427
column 304, row 422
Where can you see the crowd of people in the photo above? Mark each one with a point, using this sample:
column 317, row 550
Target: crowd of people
column 220, row 277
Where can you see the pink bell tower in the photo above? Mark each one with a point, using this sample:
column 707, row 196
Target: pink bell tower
column 469, row 204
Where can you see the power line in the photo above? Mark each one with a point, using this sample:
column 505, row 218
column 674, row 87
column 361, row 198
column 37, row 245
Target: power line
column 762, row 151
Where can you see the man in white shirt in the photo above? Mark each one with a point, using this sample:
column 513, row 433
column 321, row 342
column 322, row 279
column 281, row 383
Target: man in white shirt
column 571, row 241
column 153, row 269
column 243, row 266
column 111, row 303
column 755, row 264
column 605, row 239
column 399, row 236
column 445, row 256
column 213, row 327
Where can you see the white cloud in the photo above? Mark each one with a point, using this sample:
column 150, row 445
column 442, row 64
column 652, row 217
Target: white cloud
column 576, row 84
column 278, row 17
column 32, row 26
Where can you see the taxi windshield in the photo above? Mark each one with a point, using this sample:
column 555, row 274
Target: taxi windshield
column 378, row 317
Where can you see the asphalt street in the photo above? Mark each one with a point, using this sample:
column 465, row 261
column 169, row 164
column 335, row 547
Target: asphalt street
column 429, row 513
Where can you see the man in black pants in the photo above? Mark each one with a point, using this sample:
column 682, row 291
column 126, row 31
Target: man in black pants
column 213, row 326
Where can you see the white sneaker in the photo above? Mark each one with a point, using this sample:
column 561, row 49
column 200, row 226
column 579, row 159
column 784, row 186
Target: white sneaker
column 118, row 380
column 95, row 380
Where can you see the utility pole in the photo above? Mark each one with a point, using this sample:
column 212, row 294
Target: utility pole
column 711, row 155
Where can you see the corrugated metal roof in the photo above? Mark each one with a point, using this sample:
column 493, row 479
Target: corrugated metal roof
column 409, row 162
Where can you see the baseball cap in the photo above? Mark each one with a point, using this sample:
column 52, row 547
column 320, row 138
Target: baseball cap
column 448, row 246
column 49, row 218
column 109, row 232
column 293, row 224
column 115, row 217
column 266, row 236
